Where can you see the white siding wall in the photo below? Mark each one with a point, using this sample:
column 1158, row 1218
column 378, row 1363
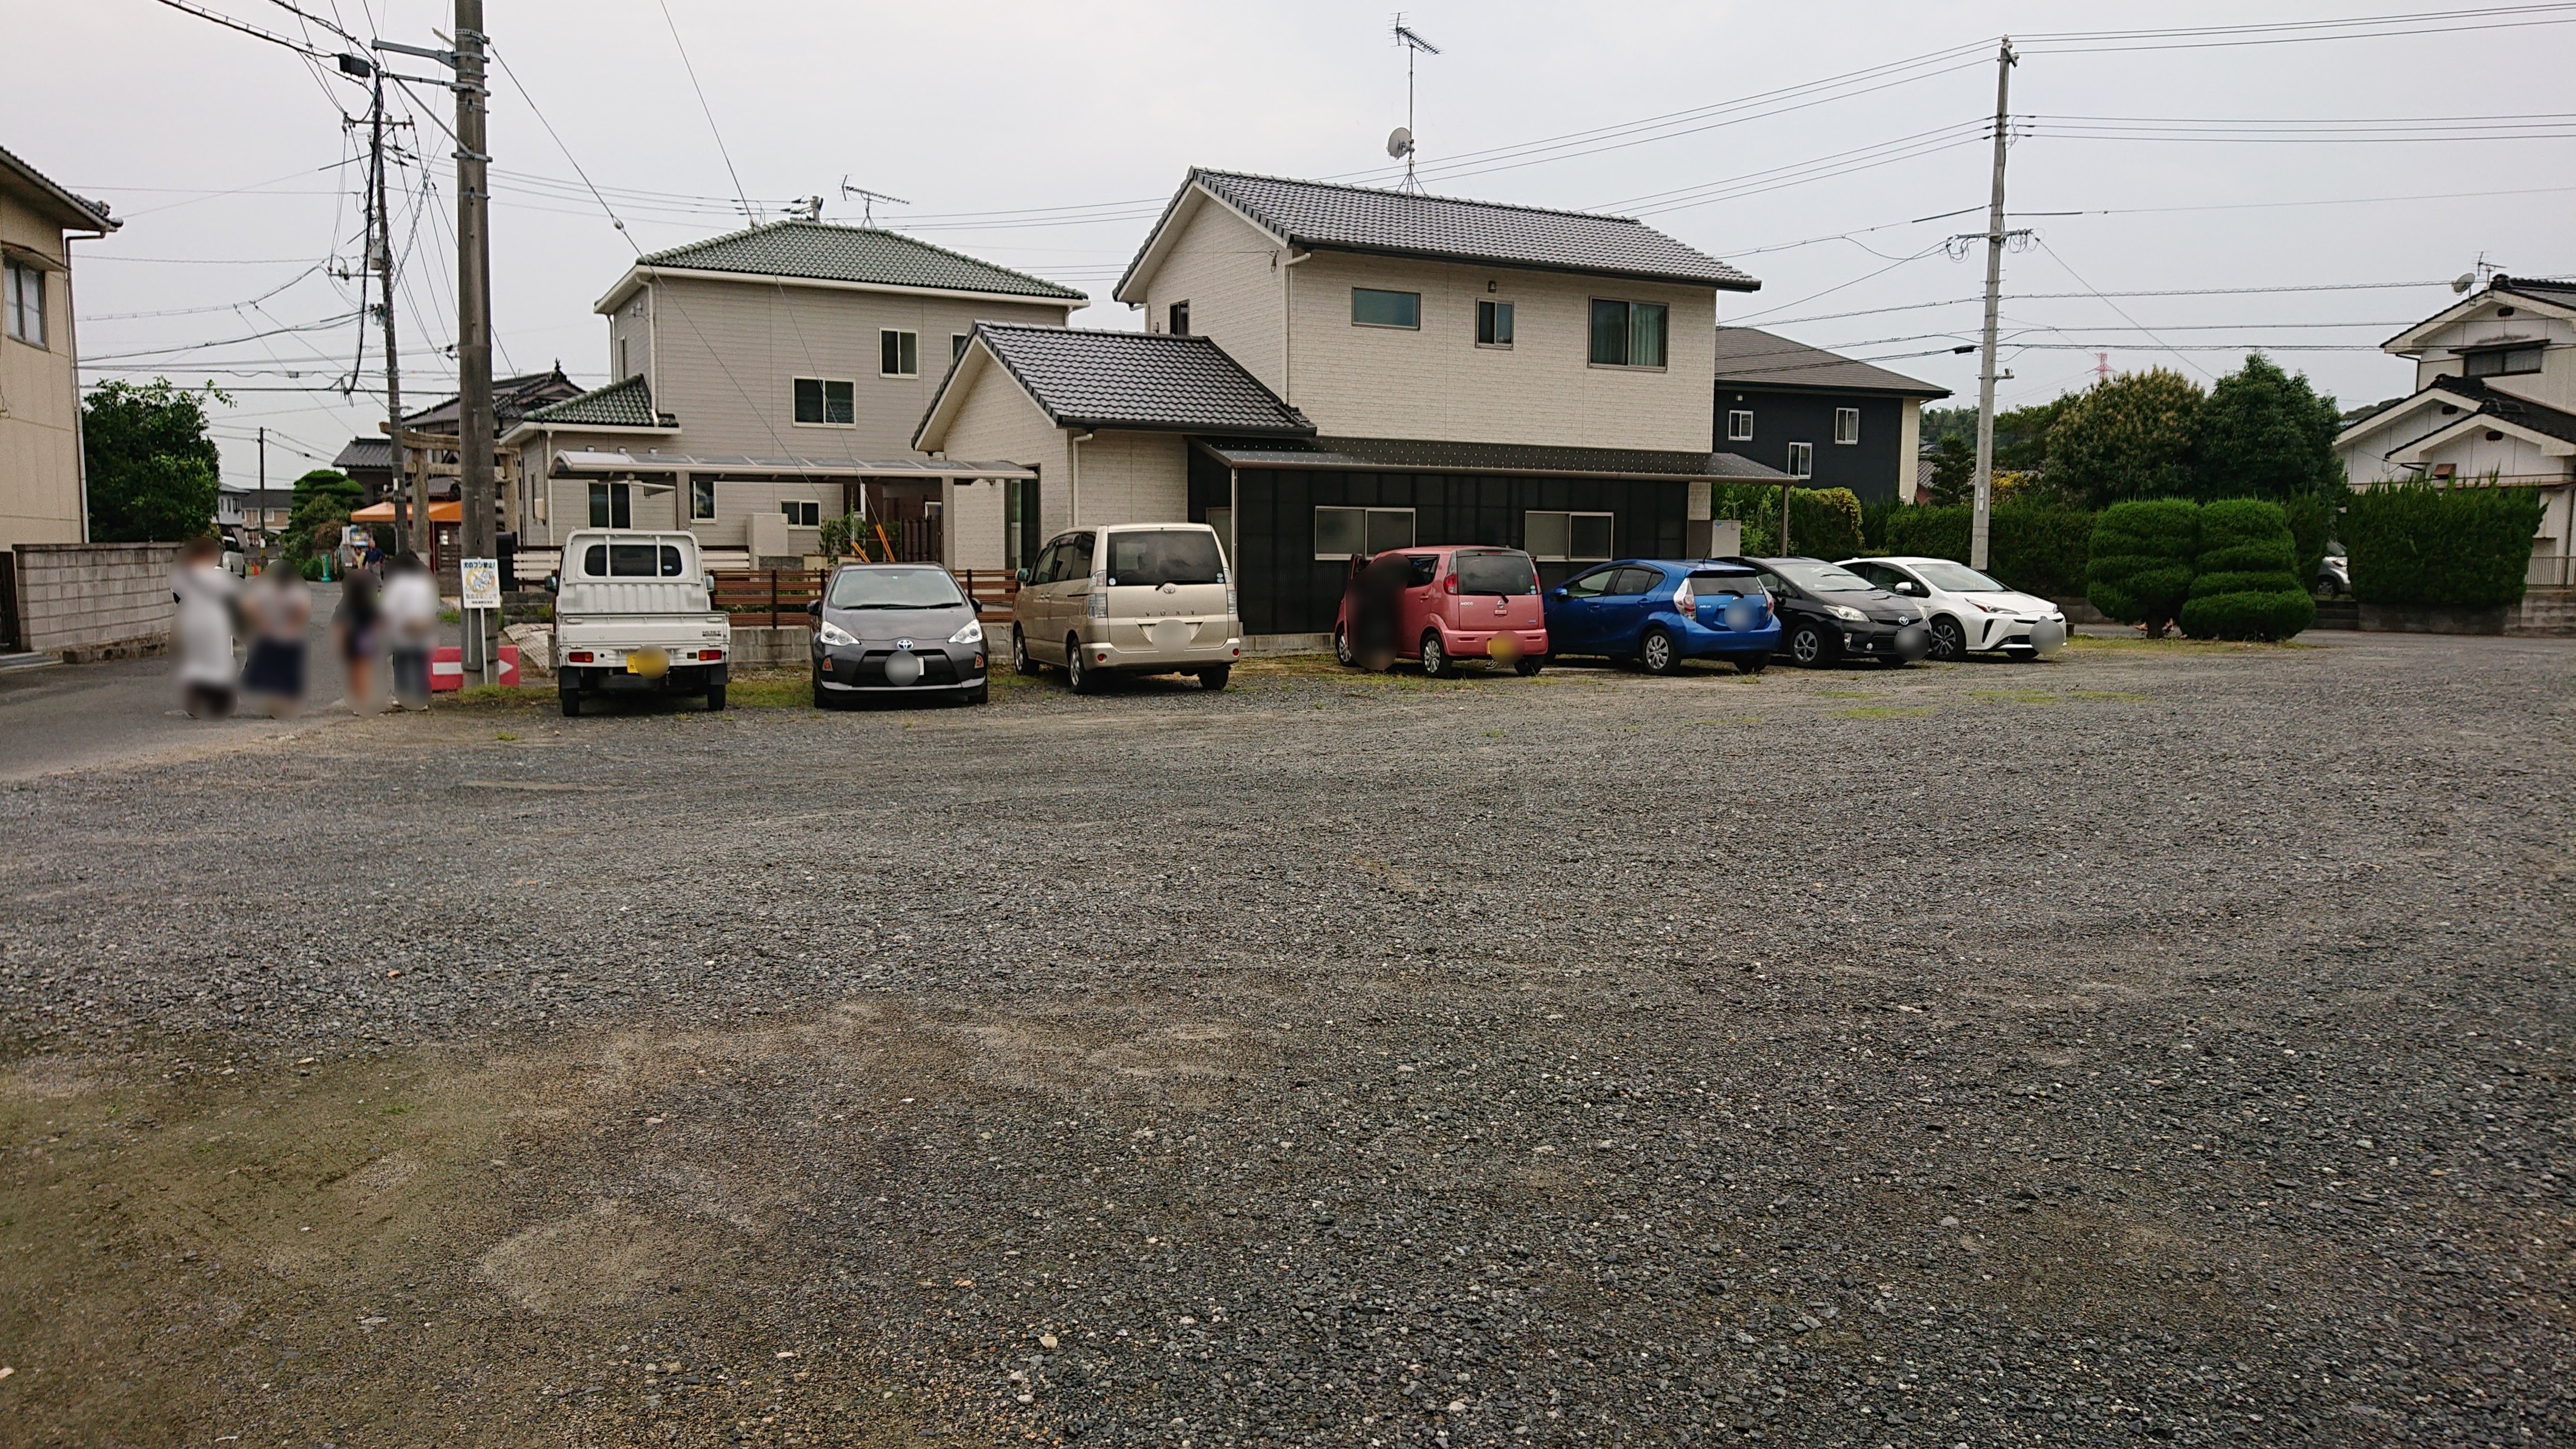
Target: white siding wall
column 2555, row 383
column 999, row 423
column 1230, row 274
column 1132, row 477
column 1377, row 382
column 40, row 499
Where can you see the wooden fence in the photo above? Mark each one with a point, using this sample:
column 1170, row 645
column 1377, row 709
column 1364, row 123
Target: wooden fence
column 774, row 598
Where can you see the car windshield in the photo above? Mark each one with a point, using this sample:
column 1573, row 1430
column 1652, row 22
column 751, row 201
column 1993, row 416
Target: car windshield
column 1708, row 583
column 1823, row 578
column 1496, row 571
column 1956, row 578
column 924, row 588
column 1155, row 556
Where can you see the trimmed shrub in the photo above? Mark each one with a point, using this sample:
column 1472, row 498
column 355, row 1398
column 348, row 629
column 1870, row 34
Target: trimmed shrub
column 2312, row 522
column 2462, row 546
column 2245, row 583
column 1824, row 522
column 2030, row 547
column 2140, row 562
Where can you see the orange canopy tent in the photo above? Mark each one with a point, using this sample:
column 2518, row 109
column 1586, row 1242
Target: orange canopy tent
column 447, row 511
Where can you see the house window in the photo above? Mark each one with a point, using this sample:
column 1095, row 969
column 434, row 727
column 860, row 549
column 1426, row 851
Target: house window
column 1565, row 537
column 1802, row 460
column 1361, row 532
column 1373, row 308
column 1846, row 425
column 1739, row 426
column 898, row 353
column 824, row 402
column 1493, row 324
column 957, row 346
column 623, row 371
column 1628, row 334
column 702, row 498
column 2503, row 361
column 1020, row 538
column 802, row 513
column 612, row 505
column 1179, row 319
column 24, row 296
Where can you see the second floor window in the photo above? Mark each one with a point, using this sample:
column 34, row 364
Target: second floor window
column 957, row 345
column 1180, row 319
column 1493, row 324
column 1846, row 425
column 1628, row 334
column 2492, row 363
column 22, row 301
column 1802, row 460
column 898, row 353
column 1373, row 308
column 1739, row 426
column 824, row 402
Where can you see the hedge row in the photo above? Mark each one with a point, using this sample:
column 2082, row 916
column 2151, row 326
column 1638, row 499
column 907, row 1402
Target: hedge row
column 2035, row 549
column 2465, row 547
column 1823, row 522
column 2229, row 570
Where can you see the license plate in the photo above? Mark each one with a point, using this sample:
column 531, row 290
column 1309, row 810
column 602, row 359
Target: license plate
column 652, row 663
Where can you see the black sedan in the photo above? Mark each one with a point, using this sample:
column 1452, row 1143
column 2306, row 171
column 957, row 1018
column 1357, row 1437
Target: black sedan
column 1829, row 614
column 889, row 629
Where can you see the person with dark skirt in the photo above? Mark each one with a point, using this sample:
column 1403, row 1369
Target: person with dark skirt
column 280, row 609
column 356, row 630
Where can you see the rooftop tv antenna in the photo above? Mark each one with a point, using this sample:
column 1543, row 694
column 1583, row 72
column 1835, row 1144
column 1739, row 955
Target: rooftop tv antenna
column 868, row 201
column 2483, row 272
column 1400, row 143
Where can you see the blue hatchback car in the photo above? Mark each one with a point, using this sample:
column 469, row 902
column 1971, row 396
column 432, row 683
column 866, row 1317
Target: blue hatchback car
column 1660, row 612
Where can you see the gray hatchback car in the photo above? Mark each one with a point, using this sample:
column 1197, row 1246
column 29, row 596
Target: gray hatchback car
column 896, row 629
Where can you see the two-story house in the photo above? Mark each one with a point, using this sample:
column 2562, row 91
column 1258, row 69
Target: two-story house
column 767, row 380
column 43, row 498
column 1828, row 420
column 2495, row 397
column 1329, row 370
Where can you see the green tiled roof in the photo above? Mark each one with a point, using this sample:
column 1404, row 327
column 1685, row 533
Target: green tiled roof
column 627, row 404
column 830, row 253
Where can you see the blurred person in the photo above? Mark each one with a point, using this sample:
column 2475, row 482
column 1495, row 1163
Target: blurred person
column 1379, row 594
column 204, row 628
column 410, row 627
column 280, row 609
column 357, row 627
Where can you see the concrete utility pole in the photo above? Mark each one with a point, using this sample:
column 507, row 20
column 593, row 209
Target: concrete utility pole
column 382, row 243
column 474, row 319
column 1983, row 517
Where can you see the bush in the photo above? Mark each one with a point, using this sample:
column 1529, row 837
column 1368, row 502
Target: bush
column 2245, row 583
column 2312, row 523
column 312, row 569
column 2139, row 563
column 2031, row 547
column 2465, row 547
column 1824, row 522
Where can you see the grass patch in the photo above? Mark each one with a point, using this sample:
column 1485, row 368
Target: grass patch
column 1884, row 711
column 2015, row 696
column 1848, row 693
column 2105, row 694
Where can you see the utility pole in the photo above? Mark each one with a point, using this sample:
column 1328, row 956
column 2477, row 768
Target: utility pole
column 474, row 319
column 1983, row 515
column 381, row 242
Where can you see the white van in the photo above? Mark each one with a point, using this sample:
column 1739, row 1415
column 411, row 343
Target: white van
column 635, row 614
column 1136, row 598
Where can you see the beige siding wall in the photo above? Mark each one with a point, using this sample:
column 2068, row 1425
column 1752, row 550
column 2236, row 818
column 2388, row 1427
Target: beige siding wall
column 999, row 423
column 2553, row 386
column 728, row 354
column 1130, row 477
column 630, row 340
column 40, row 499
column 1230, row 274
column 1378, row 382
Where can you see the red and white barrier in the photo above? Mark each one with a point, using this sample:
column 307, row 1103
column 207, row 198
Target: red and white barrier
column 447, row 668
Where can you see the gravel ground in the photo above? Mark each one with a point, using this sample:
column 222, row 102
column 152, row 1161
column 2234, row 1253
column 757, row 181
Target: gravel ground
column 2159, row 1043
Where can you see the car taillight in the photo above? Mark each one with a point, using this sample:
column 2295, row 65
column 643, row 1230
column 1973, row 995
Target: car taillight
column 578, row 656
column 1451, row 584
column 710, row 654
column 1685, row 601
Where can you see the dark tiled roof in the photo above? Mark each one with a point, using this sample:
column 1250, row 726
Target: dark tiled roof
column 366, row 453
column 79, row 210
column 627, row 404
column 1085, row 378
column 2540, row 289
column 1425, row 456
column 829, row 253
column 1316, row 214
column 1751, row 357
column 512, row 399
column 2478, row 400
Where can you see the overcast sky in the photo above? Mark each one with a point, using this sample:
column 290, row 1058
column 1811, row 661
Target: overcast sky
column 227, row 159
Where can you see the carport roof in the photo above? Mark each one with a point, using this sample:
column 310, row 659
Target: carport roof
column 1411, row 455
column 609, row 461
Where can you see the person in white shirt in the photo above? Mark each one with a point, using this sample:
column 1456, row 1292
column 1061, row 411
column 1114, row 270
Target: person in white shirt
column 205, row 629
column 411, row 627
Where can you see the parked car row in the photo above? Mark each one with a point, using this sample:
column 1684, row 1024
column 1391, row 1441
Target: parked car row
column 635, row 613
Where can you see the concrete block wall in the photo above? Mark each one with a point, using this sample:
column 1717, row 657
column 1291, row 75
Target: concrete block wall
column 76, row 598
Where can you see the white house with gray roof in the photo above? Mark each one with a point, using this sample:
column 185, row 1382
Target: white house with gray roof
column 1326, row 362
column 768, row 379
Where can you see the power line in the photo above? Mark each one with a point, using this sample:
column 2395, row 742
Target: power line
column 2114, row 306
column 691, row 67
column 2080, row 42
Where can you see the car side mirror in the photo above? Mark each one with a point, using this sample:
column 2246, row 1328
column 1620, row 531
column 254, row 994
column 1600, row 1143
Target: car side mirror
column 1022, row 576
column 1903, row 587
column 554, row 583
column 815, row 608
column 1558, row 593
column 711, row 583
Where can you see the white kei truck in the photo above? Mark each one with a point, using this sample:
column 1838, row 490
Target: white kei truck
column 635, row 614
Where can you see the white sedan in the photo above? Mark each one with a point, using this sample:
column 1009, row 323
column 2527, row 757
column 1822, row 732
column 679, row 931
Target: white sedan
column 1969, row 612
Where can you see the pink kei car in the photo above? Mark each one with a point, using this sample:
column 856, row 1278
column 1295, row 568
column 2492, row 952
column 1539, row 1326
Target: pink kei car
column 1441, row 605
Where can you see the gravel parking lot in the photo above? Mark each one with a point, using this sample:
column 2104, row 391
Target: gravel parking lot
column 2160, row 1043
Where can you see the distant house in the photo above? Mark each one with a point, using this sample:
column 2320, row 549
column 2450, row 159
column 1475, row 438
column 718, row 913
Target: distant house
column 1328, row 371
column 2495, row 397
column 368, row 461
column 769, row 379
column 1817, row 415
column 250, row 515
column 42, row 493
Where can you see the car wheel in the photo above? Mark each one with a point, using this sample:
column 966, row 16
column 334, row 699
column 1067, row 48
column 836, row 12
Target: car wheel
column 715, row 696
column 1528, row 665
column 1436, row 663
column 570, row 699
column 1752, row 663
column 1949, row 641
column 1215, row 676
column 1659, row 653
column 1343, row 654
column 1807, row 646
column 1078, row 671
column 1020, row 659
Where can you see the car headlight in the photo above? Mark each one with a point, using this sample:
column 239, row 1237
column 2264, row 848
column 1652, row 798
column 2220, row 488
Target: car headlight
column 1846, row 611
column 833, row 634
column 973, row 633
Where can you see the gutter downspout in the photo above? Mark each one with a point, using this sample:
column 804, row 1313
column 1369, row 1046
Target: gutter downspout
column 1073, row 473
column 1288, row 342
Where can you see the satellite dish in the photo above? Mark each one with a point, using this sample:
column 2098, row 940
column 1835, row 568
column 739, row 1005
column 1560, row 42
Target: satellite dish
column 2464, row 281
column 1399, row 142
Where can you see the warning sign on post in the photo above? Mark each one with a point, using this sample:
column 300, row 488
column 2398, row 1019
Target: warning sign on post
column 480, row 580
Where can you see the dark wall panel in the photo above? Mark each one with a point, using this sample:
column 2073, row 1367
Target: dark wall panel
column 1868, row 468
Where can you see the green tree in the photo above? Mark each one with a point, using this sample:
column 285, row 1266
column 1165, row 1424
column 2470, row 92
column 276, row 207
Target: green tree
column 2021, row 435
column 152, row 468
column 2264, row 433
column 2139, row 563
column 1954, row 470
column 2127, row 438
column 322, row 502
column 2245, row 582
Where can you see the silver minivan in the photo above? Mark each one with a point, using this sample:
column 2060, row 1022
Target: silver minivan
column 1129, row 598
